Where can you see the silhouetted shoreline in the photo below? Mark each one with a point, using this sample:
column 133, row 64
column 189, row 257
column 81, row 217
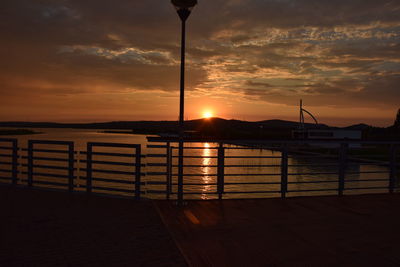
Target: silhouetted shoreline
column 17, row 132
column 213, row 128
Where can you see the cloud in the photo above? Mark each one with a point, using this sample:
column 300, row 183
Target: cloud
column 336, row 53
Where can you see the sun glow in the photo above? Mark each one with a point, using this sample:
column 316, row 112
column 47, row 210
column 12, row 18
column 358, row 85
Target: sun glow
column 207, row 114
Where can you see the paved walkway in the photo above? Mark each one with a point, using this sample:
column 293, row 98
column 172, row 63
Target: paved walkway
column 309, row 231
column 39, row 228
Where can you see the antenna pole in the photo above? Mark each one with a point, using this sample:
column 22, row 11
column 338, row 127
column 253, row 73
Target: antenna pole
column 301, row 120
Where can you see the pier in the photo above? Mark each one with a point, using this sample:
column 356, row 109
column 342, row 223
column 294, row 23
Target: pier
column 44, row 228
column 113, row 204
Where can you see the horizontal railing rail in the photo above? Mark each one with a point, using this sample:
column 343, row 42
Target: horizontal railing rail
column 277, row 142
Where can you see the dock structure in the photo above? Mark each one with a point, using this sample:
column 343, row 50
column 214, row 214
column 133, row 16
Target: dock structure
column 116, row 205
column 44, row 228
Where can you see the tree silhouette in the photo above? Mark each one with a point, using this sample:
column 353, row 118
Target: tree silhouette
column 397, row 121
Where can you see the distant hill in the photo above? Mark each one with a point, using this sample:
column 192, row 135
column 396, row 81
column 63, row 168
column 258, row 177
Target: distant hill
column 214, row 128
column 206, row 128
column 171, row 126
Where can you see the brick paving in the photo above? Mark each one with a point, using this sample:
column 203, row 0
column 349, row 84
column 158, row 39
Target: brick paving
column 42, row 228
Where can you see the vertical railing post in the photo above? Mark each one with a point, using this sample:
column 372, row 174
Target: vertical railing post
column 138, row 171
column 221, row 170
column 89, row 157
column 180, row 171
column 30, row 163
column 169, row 170
column 284, row 171
column 342, row 167
column 393, row 168
column 71, row 161
column 14, row 161
column 78, row 168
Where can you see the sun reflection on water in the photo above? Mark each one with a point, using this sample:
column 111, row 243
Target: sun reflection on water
column 206, row 169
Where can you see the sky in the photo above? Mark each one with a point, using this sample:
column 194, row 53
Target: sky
column 103, row 60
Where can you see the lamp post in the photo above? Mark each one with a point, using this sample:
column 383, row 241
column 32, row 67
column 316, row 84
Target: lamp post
column 183, row 8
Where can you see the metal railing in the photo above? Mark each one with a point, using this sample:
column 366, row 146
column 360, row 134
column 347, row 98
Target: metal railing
column 8, row 158
column 56, row 165
column 227, row 169
column 61, row 176
column 338, row 168
column 132, row 177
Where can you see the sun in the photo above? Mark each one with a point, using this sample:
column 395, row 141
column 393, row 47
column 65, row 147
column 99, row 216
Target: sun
column 207, row 114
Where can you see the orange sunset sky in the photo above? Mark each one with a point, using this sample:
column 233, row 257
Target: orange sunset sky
column 83, row 61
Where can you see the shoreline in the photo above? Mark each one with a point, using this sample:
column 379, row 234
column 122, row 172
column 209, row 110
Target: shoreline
column 17, row 132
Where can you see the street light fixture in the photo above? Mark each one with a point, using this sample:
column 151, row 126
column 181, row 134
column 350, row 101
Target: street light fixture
column 183, row 8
